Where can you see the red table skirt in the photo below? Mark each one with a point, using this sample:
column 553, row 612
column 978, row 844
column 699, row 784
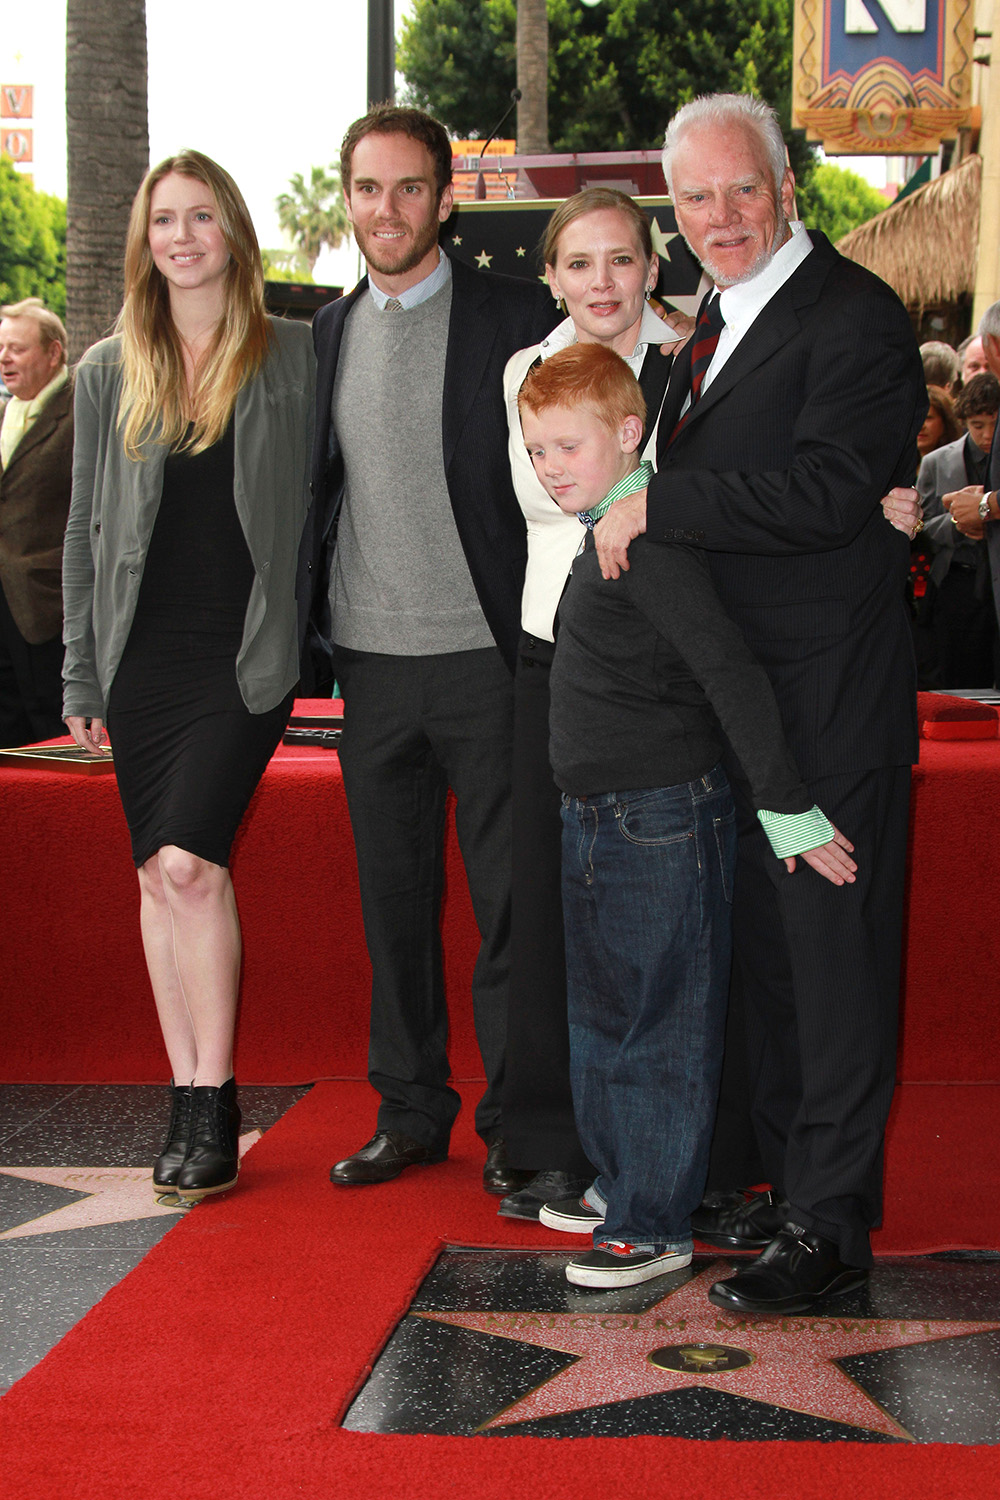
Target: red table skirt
column 76, row 1000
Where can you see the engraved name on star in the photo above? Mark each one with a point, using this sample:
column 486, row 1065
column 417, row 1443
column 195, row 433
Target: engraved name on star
column 789, row 1361
column 110, row 1195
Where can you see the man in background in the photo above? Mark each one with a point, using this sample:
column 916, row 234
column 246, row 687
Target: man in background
column 36, row 471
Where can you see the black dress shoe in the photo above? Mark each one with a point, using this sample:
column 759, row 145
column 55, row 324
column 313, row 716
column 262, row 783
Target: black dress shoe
column 386, row 1155
column 797, row 1270
column 544, row 1187
column 739, row 1221
column 499, row 1177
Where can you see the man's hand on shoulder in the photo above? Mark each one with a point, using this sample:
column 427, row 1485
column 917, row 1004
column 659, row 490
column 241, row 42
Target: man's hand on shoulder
column 614, row 531
column 682, row 325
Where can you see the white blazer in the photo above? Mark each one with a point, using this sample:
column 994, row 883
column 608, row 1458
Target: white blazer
column 554, row 537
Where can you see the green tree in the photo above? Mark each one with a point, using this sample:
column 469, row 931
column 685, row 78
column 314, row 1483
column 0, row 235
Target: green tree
column 286, row 265
column 32, row 242
column 617, row 70
column 837, row 200
column 313, row 212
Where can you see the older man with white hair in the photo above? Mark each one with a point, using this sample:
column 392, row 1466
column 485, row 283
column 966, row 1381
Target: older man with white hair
column 793, row 410
column 36, row 464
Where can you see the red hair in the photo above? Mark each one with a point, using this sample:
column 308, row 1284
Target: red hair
column 584, row 375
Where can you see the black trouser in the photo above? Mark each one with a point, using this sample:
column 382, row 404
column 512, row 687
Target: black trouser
column 816, row 981
column 413, row 726
column 30, row 685
column 537, row 1102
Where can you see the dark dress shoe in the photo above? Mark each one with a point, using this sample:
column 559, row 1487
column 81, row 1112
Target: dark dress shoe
column 544, row 1187
column 739, row 1221
column 386, row 1155
column 797, row 1270
column 499, row 1177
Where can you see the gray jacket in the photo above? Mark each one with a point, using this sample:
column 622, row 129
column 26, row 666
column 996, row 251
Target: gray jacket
column 941, row 472
column 114, row 506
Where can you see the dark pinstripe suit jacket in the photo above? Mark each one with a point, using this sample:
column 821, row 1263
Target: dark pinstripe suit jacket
column 491, row 318
column 778, row 473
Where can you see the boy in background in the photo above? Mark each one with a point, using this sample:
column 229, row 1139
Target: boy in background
column 650, row 680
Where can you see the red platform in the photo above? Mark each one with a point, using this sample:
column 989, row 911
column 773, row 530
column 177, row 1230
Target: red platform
column 76, row 1001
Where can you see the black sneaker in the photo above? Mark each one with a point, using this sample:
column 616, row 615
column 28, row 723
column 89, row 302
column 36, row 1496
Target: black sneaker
column 571, row 1215
column 617, row 1263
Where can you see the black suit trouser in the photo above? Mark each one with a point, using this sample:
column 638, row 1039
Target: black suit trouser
column 538, row 1122
column 30, row 685
column 413, row 726
column 816, row 974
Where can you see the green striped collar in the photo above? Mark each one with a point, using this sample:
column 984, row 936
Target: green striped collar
column 637, row 480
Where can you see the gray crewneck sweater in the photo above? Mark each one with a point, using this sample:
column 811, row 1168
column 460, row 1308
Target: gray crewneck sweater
column 400, row 583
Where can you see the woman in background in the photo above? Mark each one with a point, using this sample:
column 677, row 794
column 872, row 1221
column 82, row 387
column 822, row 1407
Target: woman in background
column 190, row 486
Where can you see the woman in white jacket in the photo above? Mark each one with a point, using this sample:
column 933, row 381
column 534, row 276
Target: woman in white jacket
column 600, row 265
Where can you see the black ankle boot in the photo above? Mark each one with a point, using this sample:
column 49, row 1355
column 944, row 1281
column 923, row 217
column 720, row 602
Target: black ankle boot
column 176, row 1140
column 212, row 1161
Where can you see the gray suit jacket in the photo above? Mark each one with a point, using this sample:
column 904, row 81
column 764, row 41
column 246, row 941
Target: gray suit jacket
column 114, row 506
column 941, row 472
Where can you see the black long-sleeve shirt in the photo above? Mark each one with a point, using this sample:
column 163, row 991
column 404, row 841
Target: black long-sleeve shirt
column 651, row 678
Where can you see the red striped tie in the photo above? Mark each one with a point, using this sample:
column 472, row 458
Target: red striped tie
column 706, row 337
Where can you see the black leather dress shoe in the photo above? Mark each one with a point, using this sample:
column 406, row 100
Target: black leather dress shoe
column 797, row 1270
column 739, row 1221
column 499, row 1177
column 544, row 1187
column 386, row 1155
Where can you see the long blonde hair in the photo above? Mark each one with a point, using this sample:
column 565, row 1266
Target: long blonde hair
column 155, row 401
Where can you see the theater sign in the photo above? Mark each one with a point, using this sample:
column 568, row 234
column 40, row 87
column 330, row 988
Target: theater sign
column 887, row 77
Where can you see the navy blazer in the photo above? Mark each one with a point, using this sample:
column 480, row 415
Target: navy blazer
column 778, row 472
column 491, row 318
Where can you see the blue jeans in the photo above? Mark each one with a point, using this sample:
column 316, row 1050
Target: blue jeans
column 647, row 892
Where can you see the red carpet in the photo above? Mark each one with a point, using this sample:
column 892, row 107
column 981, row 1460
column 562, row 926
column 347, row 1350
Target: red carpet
column 222, row 1365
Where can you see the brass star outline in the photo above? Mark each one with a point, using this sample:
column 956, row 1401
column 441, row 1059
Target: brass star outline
column 793, row 1364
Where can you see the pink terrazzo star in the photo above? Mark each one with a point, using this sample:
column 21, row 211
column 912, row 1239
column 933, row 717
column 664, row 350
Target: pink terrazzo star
column 115, row 1195
column 791, row 1360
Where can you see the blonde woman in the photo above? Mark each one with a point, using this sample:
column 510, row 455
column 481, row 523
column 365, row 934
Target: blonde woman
column 193, row 434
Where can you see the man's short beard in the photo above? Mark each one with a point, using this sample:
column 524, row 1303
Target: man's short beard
column 762, row 259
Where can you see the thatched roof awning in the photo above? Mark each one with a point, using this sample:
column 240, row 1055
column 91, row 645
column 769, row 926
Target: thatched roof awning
column 925, row 246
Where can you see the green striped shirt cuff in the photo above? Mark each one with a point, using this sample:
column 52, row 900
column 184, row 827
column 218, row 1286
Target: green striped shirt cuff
column 793, row 833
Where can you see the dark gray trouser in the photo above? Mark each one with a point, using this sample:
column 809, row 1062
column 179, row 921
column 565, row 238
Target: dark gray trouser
column 413, row 726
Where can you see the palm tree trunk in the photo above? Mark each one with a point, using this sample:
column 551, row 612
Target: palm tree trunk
column 108, row 154
column 533, row 77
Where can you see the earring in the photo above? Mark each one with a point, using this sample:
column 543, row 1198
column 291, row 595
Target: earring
column 648, row 293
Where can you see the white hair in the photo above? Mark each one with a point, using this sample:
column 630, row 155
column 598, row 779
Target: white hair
column 729, row 109
column 989, row 323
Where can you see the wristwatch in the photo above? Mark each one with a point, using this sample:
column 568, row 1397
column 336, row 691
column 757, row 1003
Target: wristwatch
column 984, row 506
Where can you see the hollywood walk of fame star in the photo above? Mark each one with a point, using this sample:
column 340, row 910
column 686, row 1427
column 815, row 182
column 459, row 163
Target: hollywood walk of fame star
column 787, row 1362
column 483, row 260
column 113, row 1195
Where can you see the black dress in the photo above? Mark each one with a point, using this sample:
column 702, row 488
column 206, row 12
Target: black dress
column 188, row 752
